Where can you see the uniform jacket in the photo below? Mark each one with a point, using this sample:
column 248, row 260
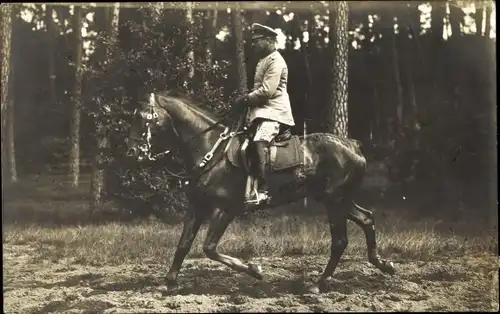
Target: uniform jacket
column 269, row 98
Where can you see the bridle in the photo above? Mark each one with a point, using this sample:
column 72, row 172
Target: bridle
column 194, row 172
column 151, row 118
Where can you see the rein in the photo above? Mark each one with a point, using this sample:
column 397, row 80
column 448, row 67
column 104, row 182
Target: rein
column 191, row 173
column 224, row 136
column 210, row 128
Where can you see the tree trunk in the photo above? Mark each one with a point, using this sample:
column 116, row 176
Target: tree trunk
column 478, row 19
column 207, row 36
column 111, row 15
column 413, row 39
column 213, row 40
column 337, row 115
column 190, row 40
column 311, row 49
column 489, row 9
column 397, row 80
column 210, row 33
column 437, row 15
column 11, row 151
column 209, row 41
column 237, row 29
column 456, row 17
column 370, row 64
column 50, row 54
column 6, row 42
column 377, row 129
column 453, row 76
column 304, row 52
column 313, row 96
column 411, row 74
column 412, row 95
column 74, row 168
column 436, row 67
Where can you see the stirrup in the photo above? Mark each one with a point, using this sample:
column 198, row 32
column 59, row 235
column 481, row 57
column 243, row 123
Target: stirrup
column 260, row 197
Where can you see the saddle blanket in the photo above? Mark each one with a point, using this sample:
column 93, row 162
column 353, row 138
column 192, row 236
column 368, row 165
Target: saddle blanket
column 282, row 155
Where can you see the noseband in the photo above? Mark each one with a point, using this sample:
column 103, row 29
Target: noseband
column 151, row 118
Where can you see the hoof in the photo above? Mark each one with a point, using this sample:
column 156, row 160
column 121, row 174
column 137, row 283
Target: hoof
column 388, row 268
column 255, row 271
column 314, row 290
column 161, row 291
column 172, row 287
column 318, row 288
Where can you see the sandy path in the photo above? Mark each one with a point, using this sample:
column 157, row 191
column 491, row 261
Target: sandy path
column 465, row 284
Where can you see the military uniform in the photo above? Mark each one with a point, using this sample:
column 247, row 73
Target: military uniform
column 268, row 103
column 269, row 98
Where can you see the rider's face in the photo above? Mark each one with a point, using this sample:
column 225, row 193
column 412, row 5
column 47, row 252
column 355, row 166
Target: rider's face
column 259, row 44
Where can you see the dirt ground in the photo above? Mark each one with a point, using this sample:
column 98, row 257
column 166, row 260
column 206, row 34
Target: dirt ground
column 465, row 284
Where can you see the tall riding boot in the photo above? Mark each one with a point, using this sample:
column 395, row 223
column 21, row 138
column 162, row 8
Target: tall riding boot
column 262, row 152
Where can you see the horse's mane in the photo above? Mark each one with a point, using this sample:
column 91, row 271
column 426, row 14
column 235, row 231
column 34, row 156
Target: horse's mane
column 175, row 93
column 178, row 96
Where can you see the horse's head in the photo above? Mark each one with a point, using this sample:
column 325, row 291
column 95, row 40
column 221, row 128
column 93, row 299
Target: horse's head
column 148, row 121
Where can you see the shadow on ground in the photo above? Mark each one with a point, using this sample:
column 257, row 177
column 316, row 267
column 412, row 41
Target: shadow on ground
column 216, row 280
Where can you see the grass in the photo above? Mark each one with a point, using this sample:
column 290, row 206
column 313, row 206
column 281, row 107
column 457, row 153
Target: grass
column 257, row 235
column 46, row 200
column 114, row 243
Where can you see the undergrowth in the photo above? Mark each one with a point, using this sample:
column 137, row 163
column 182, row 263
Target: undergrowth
column 154, row 242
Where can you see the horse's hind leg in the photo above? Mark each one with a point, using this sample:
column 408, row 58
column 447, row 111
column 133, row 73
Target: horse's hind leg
column 338, row 231
column 364, row 218
column 191, row 226
column 218, row 224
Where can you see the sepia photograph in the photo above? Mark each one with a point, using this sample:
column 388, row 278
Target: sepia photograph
column 249, row 156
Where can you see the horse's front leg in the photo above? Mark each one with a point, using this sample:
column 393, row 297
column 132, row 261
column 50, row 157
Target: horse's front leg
column 218, row 225
column 191, row 226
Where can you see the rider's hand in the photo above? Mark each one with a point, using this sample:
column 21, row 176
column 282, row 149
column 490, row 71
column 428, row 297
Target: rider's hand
column 241, row 101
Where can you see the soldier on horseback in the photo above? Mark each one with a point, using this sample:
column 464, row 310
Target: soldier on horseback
column 268, row 103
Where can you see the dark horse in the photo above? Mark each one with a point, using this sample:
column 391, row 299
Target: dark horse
column 332, row 169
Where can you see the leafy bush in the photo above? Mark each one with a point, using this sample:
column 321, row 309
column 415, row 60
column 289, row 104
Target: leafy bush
column 118, row 83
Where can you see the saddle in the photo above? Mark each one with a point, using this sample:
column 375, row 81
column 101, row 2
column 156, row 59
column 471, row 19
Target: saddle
column 284, row 151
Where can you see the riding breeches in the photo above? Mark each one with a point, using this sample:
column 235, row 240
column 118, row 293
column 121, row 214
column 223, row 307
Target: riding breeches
column 266, row 131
